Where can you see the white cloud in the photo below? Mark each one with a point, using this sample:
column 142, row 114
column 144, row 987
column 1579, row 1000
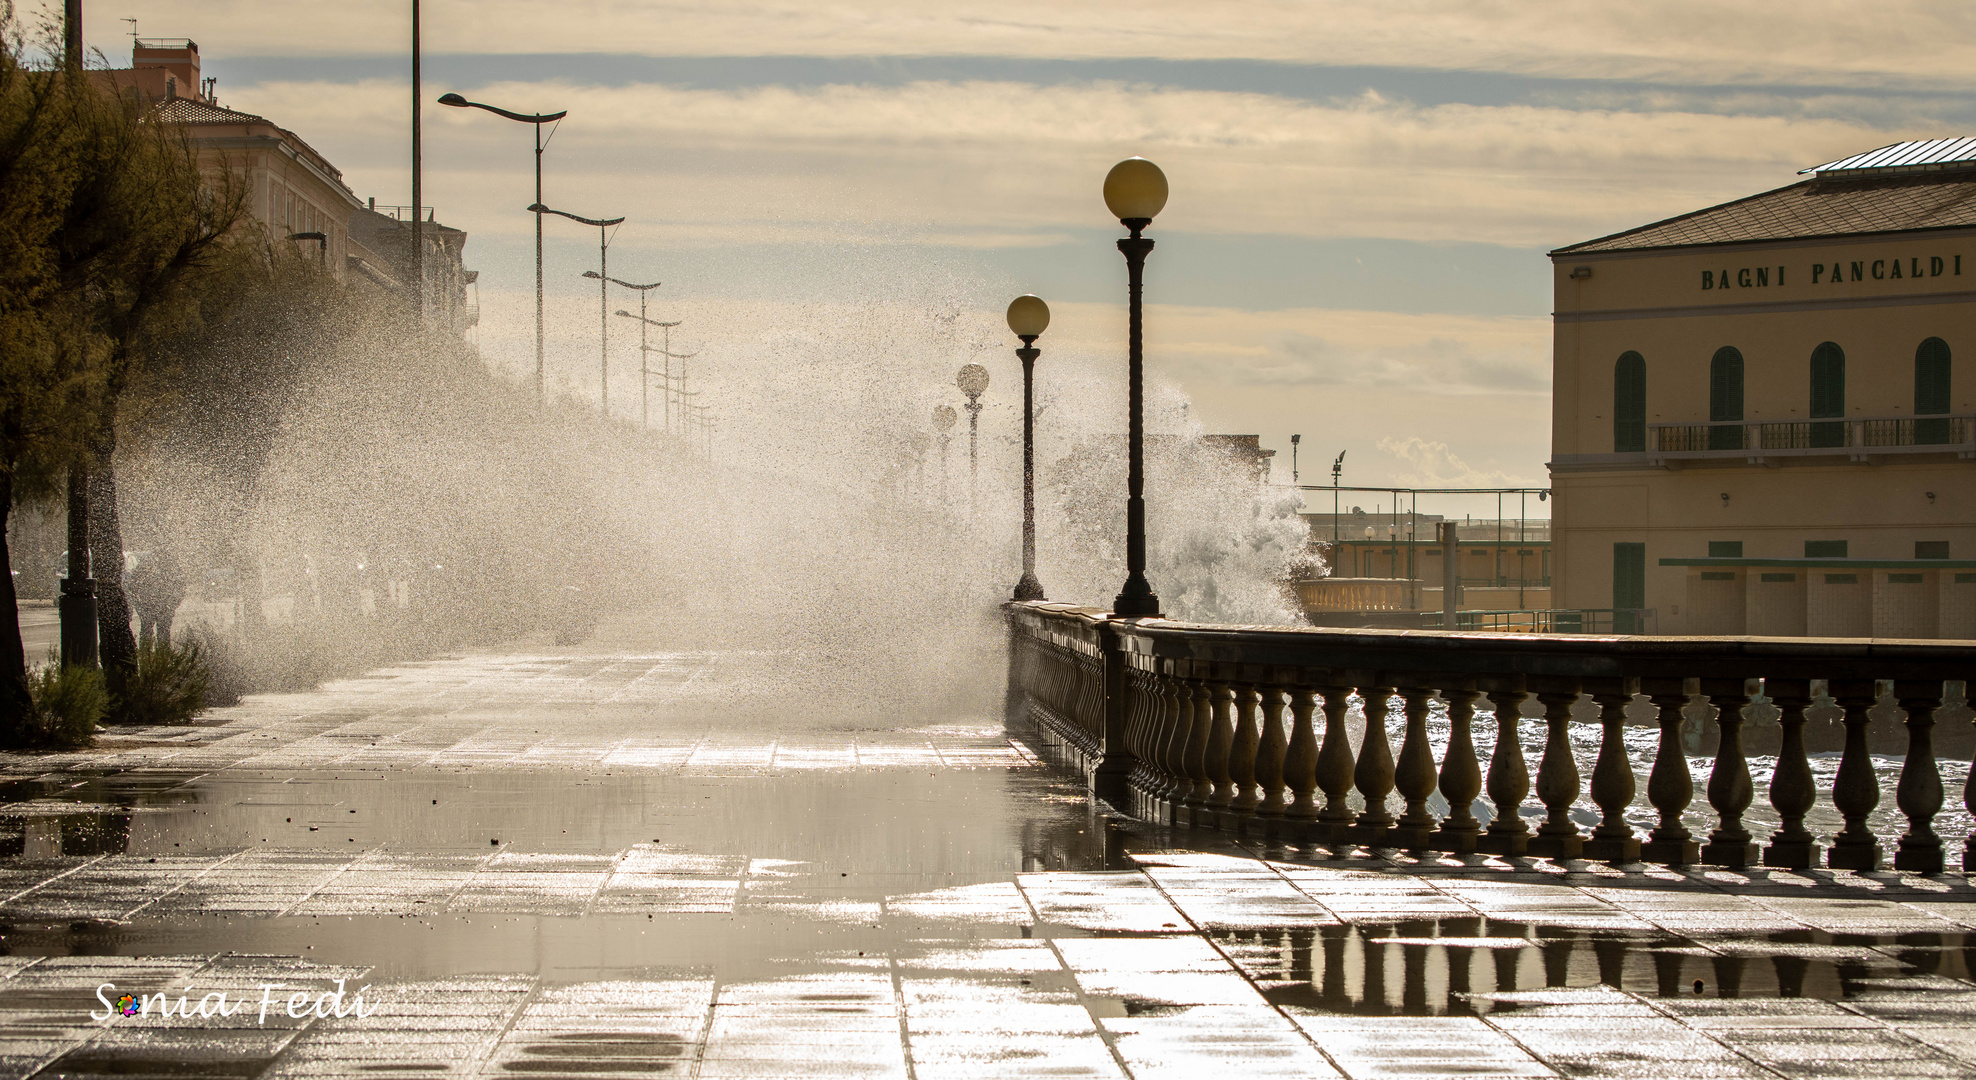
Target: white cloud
column 1426, row 463
column 996, row 163
column 1917, row 41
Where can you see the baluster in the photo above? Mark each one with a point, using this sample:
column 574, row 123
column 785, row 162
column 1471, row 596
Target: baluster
column 1334, row 765
column 1919, row 792
column 1242, row 752
column 1270, row 752
column 1300, row 757
column 1414, row 776
column 1509, row 778
column 1612, row 777
column 1461, row 774
column 1793, row 792
column 1373, row 773
column 1200, row 722
column 1856, row 790
column 1557, row 779
column 1168, row 738
column 1221, row 737
column 1670, row 787
column 1730, row 788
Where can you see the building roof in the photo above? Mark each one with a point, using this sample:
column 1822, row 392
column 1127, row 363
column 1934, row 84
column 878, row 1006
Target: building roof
column 185, row 110
column 1914, row 156
column 1837, row 202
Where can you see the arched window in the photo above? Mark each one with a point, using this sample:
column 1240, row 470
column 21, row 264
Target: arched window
column 1828, row 394
column 1725, row 398
column 1931, row 391
column 1629, row 404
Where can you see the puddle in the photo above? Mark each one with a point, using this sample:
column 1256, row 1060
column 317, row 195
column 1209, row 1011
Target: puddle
column 1472, row 966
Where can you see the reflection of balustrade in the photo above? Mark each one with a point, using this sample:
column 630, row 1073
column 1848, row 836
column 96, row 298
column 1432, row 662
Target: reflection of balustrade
column 1186, row 724
column 1470, row 966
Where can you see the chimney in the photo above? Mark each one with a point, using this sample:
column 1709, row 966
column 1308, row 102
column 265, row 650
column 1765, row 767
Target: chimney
column 179, row 57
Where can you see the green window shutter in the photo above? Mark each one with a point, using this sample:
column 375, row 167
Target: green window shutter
column 1828, row 381
column 1725, row 385
column 1931, row 391
column 1629, row 404
column 1828, row 394
column 1931, row 377
column 1629, row 586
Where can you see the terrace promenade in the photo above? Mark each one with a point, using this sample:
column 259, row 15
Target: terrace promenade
column 612, row 861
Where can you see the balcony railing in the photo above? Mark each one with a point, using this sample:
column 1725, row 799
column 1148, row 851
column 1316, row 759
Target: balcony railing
column 1247, row 728
column 1858, row 437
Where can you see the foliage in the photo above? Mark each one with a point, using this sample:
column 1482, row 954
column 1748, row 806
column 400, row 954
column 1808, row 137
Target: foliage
column 171, row 685
column 108, row 227
column 68, row 704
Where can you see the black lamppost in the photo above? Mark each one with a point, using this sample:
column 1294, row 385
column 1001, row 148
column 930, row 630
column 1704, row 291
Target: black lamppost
column 1028, row 317
column 537, row 119
column 1135, row 192
column 603, row 285
column 643, row 292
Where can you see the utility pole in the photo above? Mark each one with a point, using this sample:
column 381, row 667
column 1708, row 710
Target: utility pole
column 418, row 177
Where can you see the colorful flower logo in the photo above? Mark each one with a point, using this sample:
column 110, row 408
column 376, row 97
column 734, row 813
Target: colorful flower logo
column 127, row 1005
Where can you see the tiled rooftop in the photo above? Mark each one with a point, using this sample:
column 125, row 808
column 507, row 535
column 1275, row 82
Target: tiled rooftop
column 1820, row 207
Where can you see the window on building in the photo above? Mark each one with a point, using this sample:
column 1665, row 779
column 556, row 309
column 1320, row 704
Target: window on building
column 1931, row 549
column 1725, row 398
column 1629, row 586
column 1931, row 391
column 1824, row 549
column 1725, row 549
column 1828, row 394
column 1629, row 404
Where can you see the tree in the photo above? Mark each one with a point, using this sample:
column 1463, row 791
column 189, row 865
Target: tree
column 107, row 230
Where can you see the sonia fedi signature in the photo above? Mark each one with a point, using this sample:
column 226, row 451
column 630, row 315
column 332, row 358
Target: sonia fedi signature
column 217, row 1004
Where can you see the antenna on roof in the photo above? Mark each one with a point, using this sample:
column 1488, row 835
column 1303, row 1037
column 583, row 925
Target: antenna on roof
column 133, row 33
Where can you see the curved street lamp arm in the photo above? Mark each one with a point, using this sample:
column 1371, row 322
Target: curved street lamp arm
column 459, row 102
column 538, row 208
column 652, row 322
column 674, row 355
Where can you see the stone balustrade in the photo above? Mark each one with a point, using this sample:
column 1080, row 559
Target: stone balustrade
column 1248, row 728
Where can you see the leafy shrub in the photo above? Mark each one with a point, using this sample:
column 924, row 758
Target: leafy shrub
column 171, row 686
column 68, row 703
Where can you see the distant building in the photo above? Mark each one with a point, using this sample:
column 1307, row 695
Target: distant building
column 292, row 189
column 1764, row 412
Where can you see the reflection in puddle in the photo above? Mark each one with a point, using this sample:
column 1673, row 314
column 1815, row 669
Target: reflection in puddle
column 1471, row 966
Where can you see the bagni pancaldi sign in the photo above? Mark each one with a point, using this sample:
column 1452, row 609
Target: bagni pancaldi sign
column 1834, row 273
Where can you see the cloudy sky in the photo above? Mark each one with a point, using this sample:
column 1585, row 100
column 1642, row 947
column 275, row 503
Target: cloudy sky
column 1361, row 193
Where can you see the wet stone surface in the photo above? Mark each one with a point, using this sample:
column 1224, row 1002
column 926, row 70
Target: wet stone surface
column 634, row 865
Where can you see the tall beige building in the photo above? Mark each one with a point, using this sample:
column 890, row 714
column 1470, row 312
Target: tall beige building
column 1764, row 412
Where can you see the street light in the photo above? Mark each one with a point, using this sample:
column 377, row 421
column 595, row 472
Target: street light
column 1028, row 317
column 1135, row 192
column 973, row 380
column 644, row 351
column 536, row 119
column 603, row 285
column 603, row 300
column 943, row 421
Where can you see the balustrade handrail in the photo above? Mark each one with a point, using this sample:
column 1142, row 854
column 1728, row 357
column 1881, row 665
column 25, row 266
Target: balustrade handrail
column 1184, row 723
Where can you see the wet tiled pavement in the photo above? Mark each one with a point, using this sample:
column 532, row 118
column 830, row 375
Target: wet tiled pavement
column 603, row 866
